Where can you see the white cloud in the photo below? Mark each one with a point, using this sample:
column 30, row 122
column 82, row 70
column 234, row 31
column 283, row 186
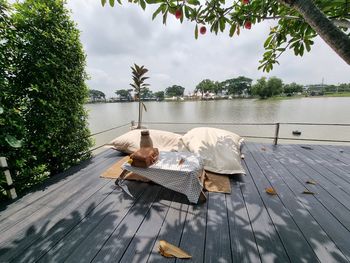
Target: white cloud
column 115, row 38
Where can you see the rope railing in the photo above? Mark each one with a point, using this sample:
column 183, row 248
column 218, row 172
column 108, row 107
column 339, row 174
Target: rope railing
column 275, row 138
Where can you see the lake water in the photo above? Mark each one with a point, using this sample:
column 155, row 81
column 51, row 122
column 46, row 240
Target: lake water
column 312, row 110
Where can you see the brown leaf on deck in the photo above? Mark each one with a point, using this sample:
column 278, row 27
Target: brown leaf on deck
column 263, row 148
column 270, row 191
column 308, row 192
column 311, row 182
column 168, row 250
column 182, row 160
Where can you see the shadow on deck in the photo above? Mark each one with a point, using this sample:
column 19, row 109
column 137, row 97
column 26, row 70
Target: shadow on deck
column 79, row 217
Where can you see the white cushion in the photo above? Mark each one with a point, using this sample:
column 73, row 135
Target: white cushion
column 130, row 141
column 219, row 149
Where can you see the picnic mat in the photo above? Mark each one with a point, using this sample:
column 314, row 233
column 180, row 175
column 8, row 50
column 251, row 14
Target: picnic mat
column 217, row 183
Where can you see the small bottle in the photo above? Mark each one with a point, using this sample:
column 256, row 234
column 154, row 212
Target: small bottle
column 146, row 140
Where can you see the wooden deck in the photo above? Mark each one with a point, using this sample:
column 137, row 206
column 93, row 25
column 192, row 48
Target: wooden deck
column 78, row 217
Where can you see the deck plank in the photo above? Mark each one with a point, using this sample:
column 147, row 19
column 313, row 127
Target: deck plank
column 145, row 238
column 56, row 196
column 172, row 228
column 243, row 243
column 269, row 244
column 294, row 242
column 54, row 184
column 217, row 245
column 78, row 216
column 113, row 207
column 322, row 245
column 294, row 174
column 101, row 238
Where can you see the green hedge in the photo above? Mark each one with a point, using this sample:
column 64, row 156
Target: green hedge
column 43, row 91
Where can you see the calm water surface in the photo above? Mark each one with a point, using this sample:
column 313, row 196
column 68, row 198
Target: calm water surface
column 314, row 110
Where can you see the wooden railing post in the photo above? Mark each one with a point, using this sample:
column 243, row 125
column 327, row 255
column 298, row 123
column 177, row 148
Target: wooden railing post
column 277, row 130
column 10, row 190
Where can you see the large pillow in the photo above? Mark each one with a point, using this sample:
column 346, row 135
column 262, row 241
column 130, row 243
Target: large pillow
column 130, row 141
column 219, row 149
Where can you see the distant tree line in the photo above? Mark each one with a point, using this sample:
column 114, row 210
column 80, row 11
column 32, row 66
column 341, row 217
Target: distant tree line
column 239, row 87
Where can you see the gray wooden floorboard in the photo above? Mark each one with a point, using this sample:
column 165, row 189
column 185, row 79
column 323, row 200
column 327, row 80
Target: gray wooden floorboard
column 110, row 209
column 53, row 184
column 118, row 242
column 217, row 242
column 295, row 243
column 193, row 235
column 172, row 228
column 335, row 230
column 323, row 174
column 322, row 245
column 79, row 217
column 338, row 156
column 334, row 200
column 144, row 239
column 268, row 241
column 341, row 172
column 54, row 195
column 115, row 225
column 243, row 243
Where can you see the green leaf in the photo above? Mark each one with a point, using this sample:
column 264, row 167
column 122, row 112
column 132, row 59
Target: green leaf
column 111, row 3
column 232, row 29
column 307, row 45
column 160, row 8
column 193, row 2
column 222, row 23
column 13, row 142
column 1, row 110
column 103, row 2
column 196, row 32
column 268, row 41
column 143, row 4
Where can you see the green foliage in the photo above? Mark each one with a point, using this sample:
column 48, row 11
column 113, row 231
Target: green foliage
column 159, row 95
column 42, row 91
column 124, row 94
column 206, row 85
column 96, row 95
column 140, row 87
column 291, row 32
column 174, row 91
column 292, row 88
column 238, row 85
column 265, row 89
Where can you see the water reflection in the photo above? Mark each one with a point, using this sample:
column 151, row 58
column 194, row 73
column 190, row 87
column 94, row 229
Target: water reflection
column 314, row 110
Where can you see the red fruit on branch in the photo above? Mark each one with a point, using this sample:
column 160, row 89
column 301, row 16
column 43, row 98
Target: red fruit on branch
column 178, row 13
column 248, row 24
column 245, row 2
column 203, row 30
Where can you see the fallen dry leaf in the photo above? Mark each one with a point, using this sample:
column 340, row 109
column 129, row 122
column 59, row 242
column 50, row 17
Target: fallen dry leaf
column 182, row 160
column 308, row 192
column 270, row 191
column 168, row 250
column 263, row 148
column 311, row 182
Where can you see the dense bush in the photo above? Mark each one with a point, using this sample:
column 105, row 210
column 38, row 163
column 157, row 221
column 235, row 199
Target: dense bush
column 42, row 91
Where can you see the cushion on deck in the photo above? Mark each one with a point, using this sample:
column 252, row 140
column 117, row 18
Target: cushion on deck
column 219, row 149
column 130, row 141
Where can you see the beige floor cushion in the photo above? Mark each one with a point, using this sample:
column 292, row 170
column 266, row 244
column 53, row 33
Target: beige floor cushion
column 219, row 149
column 130, row 141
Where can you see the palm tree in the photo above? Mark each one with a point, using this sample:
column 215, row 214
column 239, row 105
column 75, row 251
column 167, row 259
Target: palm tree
column 139, row 87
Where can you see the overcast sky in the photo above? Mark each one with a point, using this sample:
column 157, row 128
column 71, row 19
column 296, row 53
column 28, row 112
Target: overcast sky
column 115, row 38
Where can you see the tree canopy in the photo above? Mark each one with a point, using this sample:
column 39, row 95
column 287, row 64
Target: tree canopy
column 174, row 91
column 238, row 85
column 267, row 88
column 96, row 95
column 298, row 22
column 43, row 90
